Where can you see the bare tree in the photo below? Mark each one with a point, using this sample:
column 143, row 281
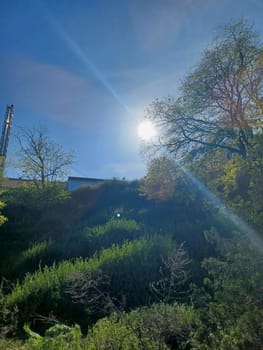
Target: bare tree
column 174, row 275
column 40, row 158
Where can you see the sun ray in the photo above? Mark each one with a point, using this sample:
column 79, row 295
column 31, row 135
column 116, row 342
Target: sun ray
column 243, row 227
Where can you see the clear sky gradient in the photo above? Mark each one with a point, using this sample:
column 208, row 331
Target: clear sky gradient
column 87, row 69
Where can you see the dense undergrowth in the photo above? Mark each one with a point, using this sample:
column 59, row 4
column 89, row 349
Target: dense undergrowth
column 114, row 268
column 124, row 272
column 171, row 261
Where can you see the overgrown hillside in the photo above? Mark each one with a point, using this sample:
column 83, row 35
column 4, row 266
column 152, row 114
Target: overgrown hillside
column 161, row 269
column 171, row 261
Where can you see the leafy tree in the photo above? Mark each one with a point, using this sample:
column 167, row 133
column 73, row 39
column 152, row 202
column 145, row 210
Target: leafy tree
column 159, row 183
column 40, row 158
column 238, row 181
column 220, row 106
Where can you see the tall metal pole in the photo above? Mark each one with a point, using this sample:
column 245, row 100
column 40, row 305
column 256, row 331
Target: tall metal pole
column 5, row 135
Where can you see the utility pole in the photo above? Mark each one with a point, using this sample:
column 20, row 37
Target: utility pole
column 5, row 136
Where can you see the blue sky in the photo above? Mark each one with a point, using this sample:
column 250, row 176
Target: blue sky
column 87, row 70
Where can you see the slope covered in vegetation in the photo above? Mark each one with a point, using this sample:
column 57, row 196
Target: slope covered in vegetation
column 169, row 272
column 171, row 261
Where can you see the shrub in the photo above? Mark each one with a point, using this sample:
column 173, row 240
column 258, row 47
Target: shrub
column 148, row 328
column 57, row 337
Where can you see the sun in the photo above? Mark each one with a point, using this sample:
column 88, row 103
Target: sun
column 146, row 130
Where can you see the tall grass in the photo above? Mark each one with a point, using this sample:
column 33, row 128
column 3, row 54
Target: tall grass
column 75, row 244
column 112, row 232
column 131, row 267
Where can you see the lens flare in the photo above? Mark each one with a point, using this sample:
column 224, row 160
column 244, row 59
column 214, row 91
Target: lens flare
column 242, row 226
column 81, row 55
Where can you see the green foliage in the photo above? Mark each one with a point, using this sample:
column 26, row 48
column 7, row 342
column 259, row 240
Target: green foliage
column 115, row 231
column 36, row 250
column 238, row 182
column 131, row 267
column 155, row 327
column 30, row 259
column 8, row 344
column 160, row 181
column 33, row 216
column 68, row 225
column 227, row 311
column 3, row 219
column 232, row 315
column 32, row 196
column 58, row 337
column 84, row 242
column 112, row 333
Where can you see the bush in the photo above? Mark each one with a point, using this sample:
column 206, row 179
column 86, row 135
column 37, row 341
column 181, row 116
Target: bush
column 148, row 328
column 58, row 337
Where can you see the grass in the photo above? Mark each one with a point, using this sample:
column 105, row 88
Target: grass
column 131, row 266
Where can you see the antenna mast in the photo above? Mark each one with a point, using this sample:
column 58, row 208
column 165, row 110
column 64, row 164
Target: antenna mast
column 5, row 134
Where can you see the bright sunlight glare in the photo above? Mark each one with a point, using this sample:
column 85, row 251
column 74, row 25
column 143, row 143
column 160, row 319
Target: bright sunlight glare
column 146, row 130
